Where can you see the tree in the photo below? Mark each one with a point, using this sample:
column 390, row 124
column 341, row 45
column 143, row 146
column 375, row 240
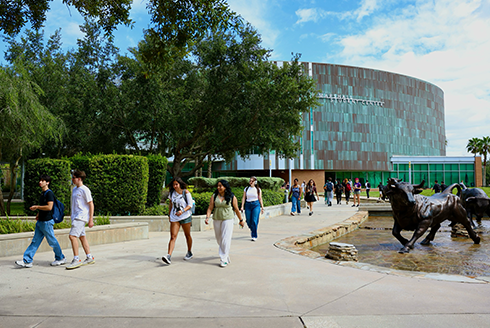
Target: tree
column 24, row 123
column 176, row 25
column 473, row 146
column 482, row 147
column 229, row 100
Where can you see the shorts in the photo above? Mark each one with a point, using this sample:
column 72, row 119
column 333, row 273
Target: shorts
column 77, row 228
column 357, row 192
column 187, row 220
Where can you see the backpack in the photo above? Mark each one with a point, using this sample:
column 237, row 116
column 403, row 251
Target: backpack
column 348, row 187
column 58, row 210
column 368, row 185
column 329, row 186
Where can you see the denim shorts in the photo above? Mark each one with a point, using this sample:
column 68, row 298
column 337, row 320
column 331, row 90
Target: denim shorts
column 357, row 192
column 187, row 220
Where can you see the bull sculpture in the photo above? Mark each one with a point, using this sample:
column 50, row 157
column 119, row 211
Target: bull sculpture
column 419, row 213
column 476, row 202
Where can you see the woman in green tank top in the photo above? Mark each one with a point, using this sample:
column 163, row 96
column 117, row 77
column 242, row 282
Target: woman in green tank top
column 225, row 206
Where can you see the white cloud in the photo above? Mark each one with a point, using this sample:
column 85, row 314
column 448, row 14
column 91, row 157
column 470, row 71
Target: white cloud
column 256, row 12
column 445, row 42
column 367, row 7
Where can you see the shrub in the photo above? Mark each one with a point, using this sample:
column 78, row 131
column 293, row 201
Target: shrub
column 159, row 210
column 209, row 184
column 17, row 225
column 157, row 165
column 202, row 202
column 58, row 170
column 119, row 183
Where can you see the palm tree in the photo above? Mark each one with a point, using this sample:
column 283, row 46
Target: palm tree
column 473, row 146
column 484, row 150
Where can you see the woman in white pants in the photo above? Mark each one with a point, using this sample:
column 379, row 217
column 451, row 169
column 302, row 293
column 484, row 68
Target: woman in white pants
column 224, row 203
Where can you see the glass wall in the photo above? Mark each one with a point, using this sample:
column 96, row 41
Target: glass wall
column 448, row 173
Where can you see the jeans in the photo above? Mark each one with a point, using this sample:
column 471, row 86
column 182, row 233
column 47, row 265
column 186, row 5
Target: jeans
column 43, row 229
column 367, row 192
column 252, row 213
column 296, row 204
column 329, row 197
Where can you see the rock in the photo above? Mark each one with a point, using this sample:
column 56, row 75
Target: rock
column 341, row 252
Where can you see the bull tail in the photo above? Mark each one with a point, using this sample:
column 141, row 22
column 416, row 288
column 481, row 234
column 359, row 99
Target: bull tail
column 449, row 190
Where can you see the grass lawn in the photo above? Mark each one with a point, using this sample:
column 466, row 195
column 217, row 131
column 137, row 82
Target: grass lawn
column 16, row 208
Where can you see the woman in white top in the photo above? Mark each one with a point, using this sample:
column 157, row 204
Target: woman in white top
column 252, row 202
column 179, row 216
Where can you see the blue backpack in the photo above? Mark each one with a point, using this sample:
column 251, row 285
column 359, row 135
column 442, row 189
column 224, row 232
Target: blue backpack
column 58, row 211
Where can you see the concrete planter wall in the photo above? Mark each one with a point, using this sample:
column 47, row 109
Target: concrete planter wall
column 16, row 243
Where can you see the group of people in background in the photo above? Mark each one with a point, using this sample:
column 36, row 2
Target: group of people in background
column 297, row 191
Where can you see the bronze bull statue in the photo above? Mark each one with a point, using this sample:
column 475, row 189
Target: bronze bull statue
column 419, row 213
column 476, row 202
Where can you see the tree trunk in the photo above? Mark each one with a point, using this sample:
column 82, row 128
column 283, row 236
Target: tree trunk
column 13, row 181
column 210, row 167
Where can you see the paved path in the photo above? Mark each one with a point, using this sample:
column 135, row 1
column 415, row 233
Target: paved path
column 264, row 286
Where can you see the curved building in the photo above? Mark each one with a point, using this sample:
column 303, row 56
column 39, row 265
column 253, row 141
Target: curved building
column 365, row 118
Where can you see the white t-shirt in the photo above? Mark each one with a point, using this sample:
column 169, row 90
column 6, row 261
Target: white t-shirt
column 252, row 194
column 80, row 197
column 178, row 204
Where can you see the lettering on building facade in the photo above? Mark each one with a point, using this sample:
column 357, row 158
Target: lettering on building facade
column 350, row 100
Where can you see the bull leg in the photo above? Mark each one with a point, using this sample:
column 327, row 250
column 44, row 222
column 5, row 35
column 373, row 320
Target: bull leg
column 397, row 234
column 431, row 235
column 422, row 228
column 470, row 218
column 466, row 223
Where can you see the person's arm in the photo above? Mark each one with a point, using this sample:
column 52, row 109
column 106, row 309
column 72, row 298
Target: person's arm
column 238, row 214
column 260, row 200
column 316, row 192
column 300, row 192
column 46, row 208
column 243, row 200
column 210, row 209
column 91, row 214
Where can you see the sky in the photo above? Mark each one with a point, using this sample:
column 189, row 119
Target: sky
column 444, row 42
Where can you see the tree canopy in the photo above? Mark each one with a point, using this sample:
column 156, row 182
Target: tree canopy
column 176, row 25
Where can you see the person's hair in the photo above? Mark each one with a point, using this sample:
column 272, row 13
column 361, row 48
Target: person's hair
column 296, row 180
column 45, row 177
column 228, row 193
column 79, row 174
column 436, row 181
column 329, row 178
column 311, row 180
column 182, row 184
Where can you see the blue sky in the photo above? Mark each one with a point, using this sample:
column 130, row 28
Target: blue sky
column 444, row 42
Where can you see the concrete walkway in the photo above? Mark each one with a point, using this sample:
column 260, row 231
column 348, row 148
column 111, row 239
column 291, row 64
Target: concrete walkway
column 264, row 286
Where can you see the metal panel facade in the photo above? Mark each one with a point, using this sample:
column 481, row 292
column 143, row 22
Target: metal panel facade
column 366, row 116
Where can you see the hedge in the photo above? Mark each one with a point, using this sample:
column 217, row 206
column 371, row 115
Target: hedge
column 119, row 184
column 82, row 163
column 157, row 171
column 58, row 170
column 208, row 184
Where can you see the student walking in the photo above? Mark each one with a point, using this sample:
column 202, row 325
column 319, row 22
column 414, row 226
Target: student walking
column 368, row 188
column 339, row 189
column 310, row 194
column 328, row 188
column 357, row 192
column 295, row 197
column 347, row 190
column 253, row 205
column 223, row 202
column 44, row 227
column 179, row 216
column 82, row 212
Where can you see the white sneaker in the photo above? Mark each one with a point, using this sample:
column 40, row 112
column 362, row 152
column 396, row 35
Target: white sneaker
column 254, row 239
column 74, row 264
column 89, row 260
column 223, row 264
column 23, row 264
column 59, row 262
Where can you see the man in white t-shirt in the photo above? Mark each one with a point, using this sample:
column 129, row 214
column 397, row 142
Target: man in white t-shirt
column 82, row 212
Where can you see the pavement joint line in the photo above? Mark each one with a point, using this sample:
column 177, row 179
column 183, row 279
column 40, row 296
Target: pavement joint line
column 345, row 295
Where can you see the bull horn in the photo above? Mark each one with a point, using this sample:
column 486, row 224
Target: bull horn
column 420, row 186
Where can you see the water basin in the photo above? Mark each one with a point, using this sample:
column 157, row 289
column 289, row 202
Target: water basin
column 446, row 255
